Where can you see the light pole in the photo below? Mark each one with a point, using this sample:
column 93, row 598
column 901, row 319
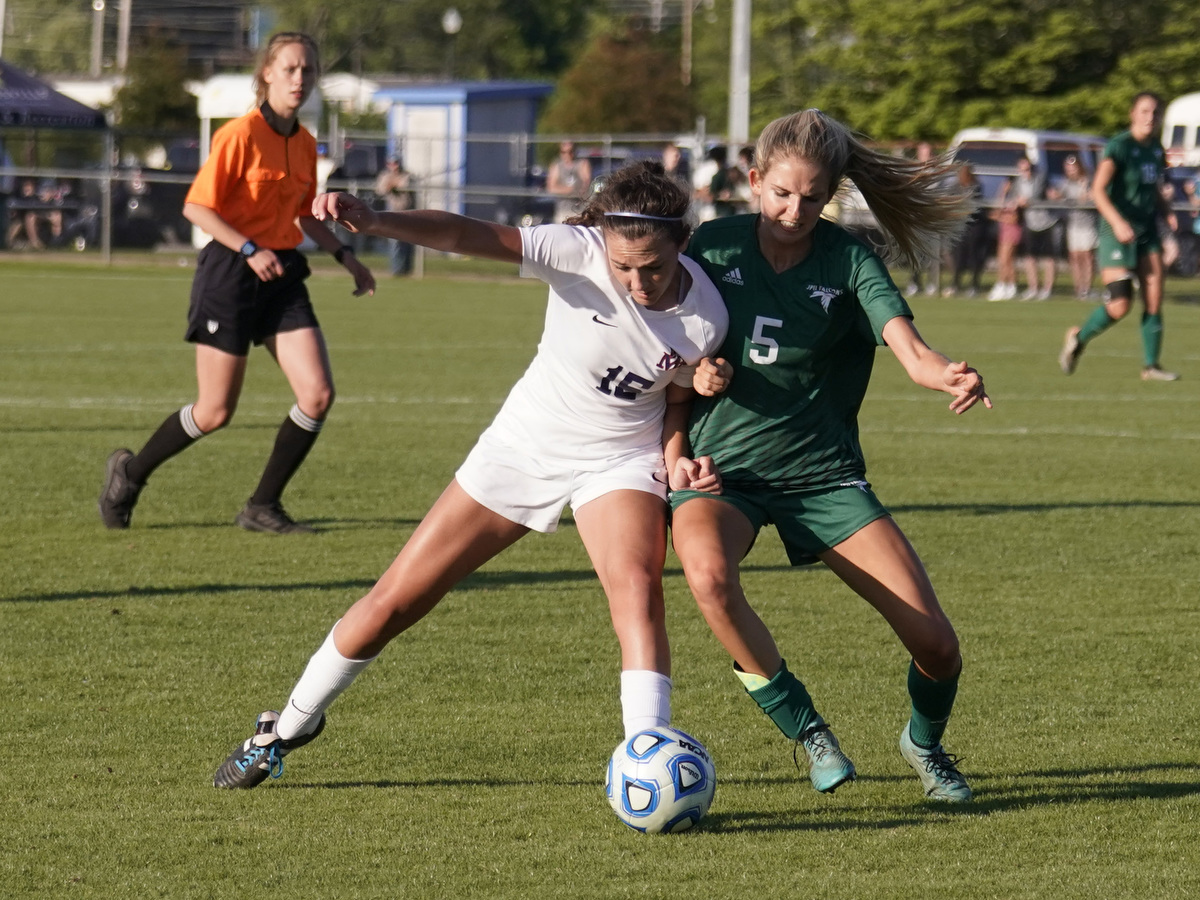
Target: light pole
column 739, row 74
column 452, row 22
column 97, row 36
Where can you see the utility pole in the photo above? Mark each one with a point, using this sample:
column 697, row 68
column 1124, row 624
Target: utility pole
column 739, row 74
column 125, row 10
column 97, row 36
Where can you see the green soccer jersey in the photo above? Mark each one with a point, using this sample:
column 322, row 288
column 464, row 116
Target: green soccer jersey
column 1134, row 186
column 802, row 343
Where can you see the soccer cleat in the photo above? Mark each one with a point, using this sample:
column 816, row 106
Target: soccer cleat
column 119, row 495
column 828, row 767
column 270, row 518
column 261, row 755
column 937, row 769
column 1154, row 373
column 1068, row 359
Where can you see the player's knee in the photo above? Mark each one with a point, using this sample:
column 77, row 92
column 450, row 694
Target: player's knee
column 939, row 657
column 318, row 402
column 1121, row 289
column 713, row 585
column 210, row 418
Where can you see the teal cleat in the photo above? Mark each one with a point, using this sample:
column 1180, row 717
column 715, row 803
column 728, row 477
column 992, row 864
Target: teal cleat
column 937, row 769
column 828, row 767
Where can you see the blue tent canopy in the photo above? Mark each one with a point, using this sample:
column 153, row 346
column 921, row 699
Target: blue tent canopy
column 27, row 102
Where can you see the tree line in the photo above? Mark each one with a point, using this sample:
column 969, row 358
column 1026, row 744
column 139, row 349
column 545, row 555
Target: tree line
column 897, row 70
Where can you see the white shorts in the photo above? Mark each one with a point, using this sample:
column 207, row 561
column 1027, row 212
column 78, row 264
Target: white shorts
column 1081, row 238
column 533, row 490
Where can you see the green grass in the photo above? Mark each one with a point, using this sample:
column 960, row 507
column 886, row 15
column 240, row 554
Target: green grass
column 1060, row 529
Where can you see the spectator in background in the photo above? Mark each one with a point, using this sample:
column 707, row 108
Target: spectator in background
column 570, row 179
column 1029, row 191
column 747, row 200
column 674, row 166
column 971, row 252
column 1008, row 214
column 23, row 216
column 927, row 279
column 725, row 189
column 702, row 182
column 395, row 186
column 1081, row 226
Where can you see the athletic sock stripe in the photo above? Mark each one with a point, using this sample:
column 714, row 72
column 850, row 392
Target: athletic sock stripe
column 308, row 423
column 189, row 422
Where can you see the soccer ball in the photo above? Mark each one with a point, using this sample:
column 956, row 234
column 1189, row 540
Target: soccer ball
column 660, row 780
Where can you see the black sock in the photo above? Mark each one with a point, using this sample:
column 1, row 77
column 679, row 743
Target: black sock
column 296, row 436
column 177, row 432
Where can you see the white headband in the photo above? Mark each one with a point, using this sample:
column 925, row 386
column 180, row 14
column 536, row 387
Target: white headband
column 638, row 215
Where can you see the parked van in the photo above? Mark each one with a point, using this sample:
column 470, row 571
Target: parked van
column 1181, row 131
column 993, row 152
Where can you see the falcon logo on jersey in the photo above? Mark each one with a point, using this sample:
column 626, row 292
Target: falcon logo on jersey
column 670, row 360
column 733, row 276
column 825, row 295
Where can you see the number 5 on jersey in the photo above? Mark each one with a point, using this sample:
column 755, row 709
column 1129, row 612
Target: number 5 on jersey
column 762, row 340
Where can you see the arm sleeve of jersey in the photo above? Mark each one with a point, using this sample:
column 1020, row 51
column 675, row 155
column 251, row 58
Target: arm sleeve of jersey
column 553, row 253
column 213, row 180
column 878, row 298
column 714, row 316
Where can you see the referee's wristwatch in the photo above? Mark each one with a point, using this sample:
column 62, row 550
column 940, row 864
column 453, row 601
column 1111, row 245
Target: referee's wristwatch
column 249, row 249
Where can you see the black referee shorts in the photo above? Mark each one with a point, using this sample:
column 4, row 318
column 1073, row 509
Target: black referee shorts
column 231, row 308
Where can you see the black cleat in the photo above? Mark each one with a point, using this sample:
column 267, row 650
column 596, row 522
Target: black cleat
column 270, row 518
column 119, row 495
column 261, row 755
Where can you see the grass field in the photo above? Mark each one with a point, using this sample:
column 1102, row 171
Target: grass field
column 1060, row 528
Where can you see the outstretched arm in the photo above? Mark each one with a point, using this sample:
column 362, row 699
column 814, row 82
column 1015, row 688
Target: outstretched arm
column 931, row 369
column 430, row 228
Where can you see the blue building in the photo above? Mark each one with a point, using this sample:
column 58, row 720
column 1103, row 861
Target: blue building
column 464, row 139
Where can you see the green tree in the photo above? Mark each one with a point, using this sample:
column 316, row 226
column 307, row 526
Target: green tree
column 48, row 36
column 498, row 38
column 153, row 96
column 625, row 79
column 922, row 69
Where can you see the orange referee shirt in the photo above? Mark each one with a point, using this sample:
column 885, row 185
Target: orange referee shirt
column 259, row 181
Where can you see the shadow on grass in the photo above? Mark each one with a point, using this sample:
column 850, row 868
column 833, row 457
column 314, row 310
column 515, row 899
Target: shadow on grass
column 477, row 581
column 322, row 525
column 996, row 509
column 1003, row 794
column 1026, row 790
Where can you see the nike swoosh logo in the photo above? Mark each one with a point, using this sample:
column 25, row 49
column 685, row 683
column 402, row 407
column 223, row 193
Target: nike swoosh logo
column 599, row 321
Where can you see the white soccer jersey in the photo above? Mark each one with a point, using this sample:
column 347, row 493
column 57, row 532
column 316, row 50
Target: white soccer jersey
column 595, row 391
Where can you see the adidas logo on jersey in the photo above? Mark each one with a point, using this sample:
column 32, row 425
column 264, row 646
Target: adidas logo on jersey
column 733, row 276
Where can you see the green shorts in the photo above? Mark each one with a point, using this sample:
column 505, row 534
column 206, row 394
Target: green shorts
column 1112, row 254
column 809, row 522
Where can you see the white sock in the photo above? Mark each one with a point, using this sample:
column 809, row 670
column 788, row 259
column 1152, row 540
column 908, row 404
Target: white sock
column 328, row 674
column 645, row 700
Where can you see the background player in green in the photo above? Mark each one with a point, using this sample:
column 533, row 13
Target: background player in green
column 1126, row 194
column 808, row 305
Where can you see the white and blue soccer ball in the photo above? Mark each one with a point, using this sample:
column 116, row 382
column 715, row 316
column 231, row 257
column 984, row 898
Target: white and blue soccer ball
column 660, row 780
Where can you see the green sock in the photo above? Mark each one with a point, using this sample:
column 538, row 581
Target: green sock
column 931, row 705
column 1151, row 338
column 1098, row 322
column 785, row 700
